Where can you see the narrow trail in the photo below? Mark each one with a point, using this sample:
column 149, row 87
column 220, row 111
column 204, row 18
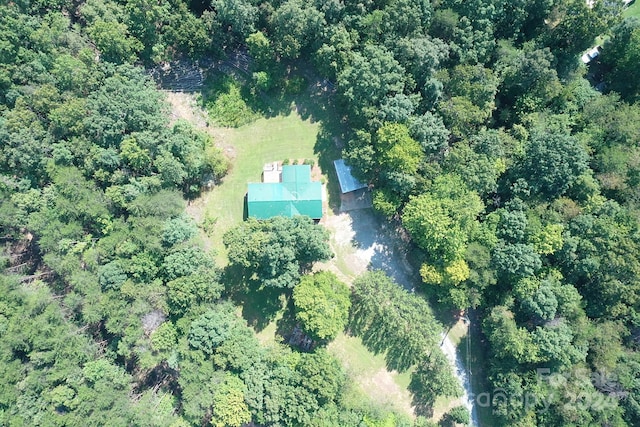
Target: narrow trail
column 455, row 359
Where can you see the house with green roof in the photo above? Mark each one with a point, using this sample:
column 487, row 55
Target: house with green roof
column 294, row 194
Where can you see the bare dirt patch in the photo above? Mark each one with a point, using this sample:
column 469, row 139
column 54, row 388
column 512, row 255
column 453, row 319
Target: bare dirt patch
column 184, row 106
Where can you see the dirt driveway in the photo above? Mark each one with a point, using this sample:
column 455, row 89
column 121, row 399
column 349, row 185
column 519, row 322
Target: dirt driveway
column 361, row 241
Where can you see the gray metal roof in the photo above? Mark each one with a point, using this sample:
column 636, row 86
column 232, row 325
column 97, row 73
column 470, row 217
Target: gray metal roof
column 348, row 182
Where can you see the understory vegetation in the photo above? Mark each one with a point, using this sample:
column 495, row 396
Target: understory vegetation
column 475, row 124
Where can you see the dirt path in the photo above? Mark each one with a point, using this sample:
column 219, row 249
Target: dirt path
column 361, row 242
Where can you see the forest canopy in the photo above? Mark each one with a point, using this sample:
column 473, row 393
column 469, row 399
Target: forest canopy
column 511, row 165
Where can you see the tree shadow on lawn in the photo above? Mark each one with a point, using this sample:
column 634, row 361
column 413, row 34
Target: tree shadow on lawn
column 295, row 86
column 376, row 339
column 260, row 306
column 287, row 323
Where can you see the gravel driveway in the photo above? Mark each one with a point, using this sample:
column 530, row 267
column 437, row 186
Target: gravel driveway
column 362, row 241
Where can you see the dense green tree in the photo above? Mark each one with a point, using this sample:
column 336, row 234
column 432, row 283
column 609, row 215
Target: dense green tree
column 179, row 229
column 91, row 178
column 186, row 261
column 229, row 407
column 237, row 18
column 190, row 292
column 261, row 50
column 322, row 305
column 296, row 26
column 198, row 382
column 553, row 162
column 555, row 345
column 396, row 150
column 433, row 378
column 596, row 256
column 621, row 53
column 406, row 18
column 470, row 100
column 276, row 251
column 25, row 143
column 433, row 229
column 126, row 102
column 468, row 27
column 370, row 77
column 53, row 372
column 420, row 56
column 114, row 41
column 429, row 131
column 333, row 55
column 607, row 125
column 515, row 261
column 442, row 220
column 214, row 327
column 529, row 81
column 508, row 340
column 577, row 22
column 322, row 375
column 390, row 319
column 481, row 160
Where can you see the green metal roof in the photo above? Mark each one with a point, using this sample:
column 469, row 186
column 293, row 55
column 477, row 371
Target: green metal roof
column 296, row 173
column 295, row 195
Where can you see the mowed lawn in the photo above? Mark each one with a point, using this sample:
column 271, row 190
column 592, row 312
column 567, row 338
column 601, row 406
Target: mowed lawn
column 633, row 10
column 251, row 146
column 369, row 376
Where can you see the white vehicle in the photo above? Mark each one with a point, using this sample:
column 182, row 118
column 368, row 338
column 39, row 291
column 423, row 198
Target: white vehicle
column 591, row 55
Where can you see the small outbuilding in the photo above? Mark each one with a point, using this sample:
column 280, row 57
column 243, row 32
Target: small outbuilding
column 294, row 194
column 348, row 182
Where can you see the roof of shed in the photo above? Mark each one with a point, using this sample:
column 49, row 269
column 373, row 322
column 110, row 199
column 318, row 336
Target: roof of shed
column 347, row 181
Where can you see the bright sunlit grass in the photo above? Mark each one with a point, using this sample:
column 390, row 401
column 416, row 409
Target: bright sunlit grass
column 264, row 140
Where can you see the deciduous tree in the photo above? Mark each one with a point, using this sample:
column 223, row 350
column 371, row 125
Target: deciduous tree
column 322, row 305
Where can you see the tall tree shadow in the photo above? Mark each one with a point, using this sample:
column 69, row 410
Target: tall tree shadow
column 260, row 305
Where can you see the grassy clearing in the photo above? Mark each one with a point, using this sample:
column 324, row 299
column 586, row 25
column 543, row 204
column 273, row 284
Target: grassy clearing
column 253, row 145
column 368, row 372
column 285, row 132
column 633, row 10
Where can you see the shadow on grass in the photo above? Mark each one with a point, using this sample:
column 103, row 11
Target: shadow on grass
column 377, row 340
column 259, row 306
column 298, row 87
column 287, row 323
